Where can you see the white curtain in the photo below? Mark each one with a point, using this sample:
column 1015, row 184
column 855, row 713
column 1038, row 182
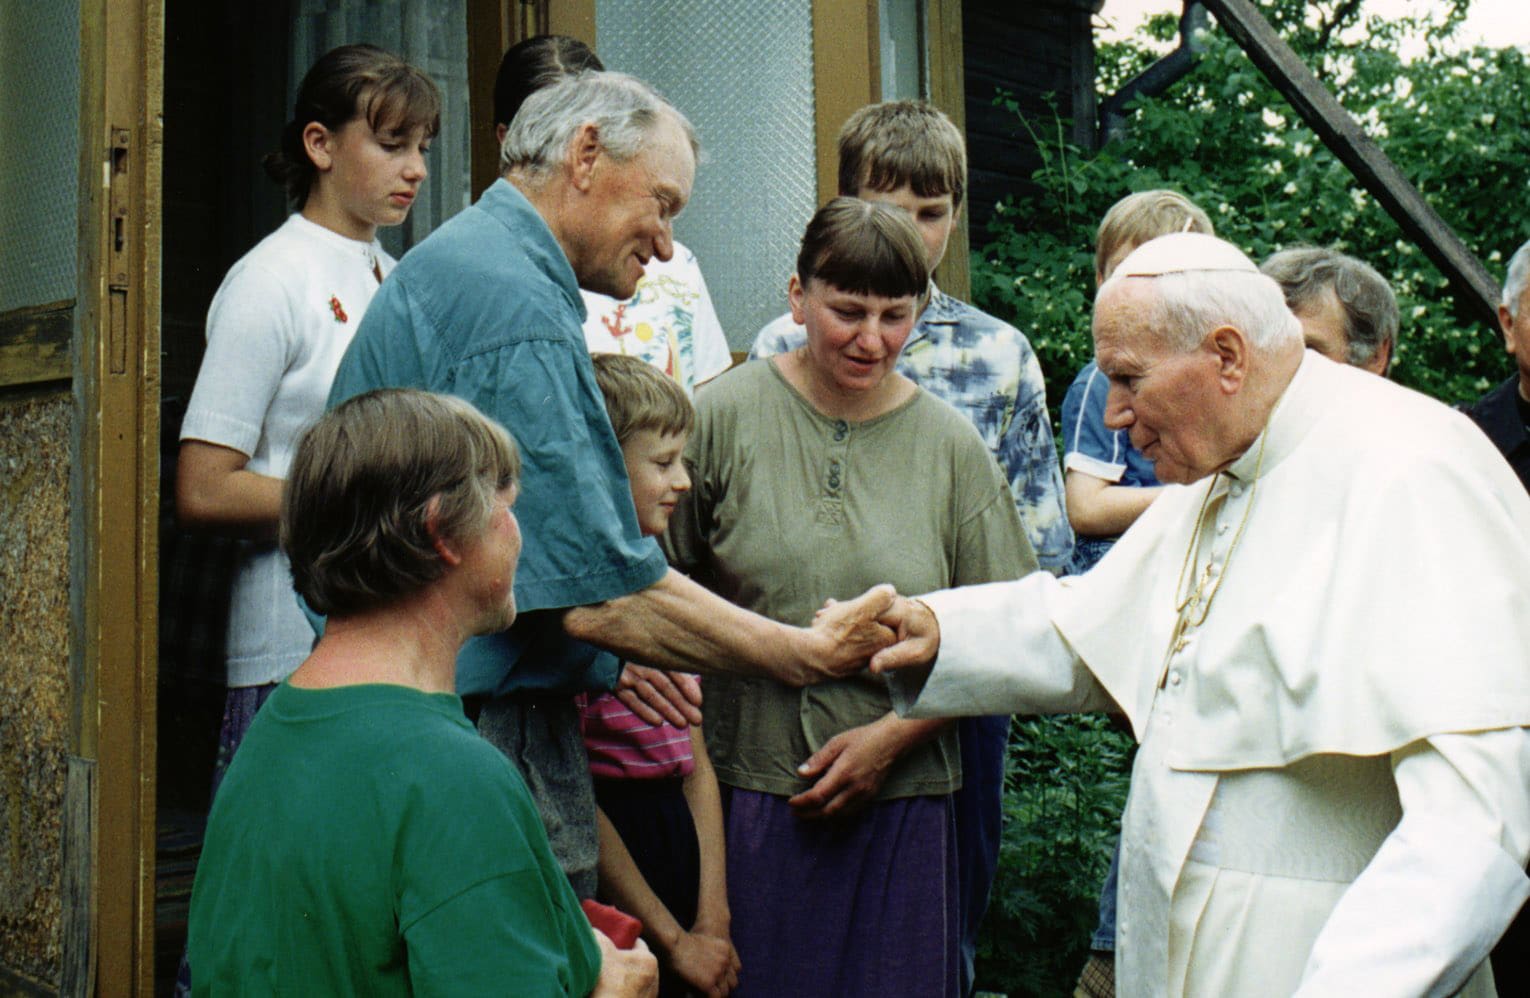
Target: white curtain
column 431, row 34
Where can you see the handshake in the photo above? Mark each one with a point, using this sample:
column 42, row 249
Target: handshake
column 879, row 629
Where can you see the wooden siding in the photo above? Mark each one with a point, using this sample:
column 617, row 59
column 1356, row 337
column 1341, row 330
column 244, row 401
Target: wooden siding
column 1043, row 54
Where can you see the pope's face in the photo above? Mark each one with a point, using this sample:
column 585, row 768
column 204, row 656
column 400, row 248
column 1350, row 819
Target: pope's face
column 1166, row 399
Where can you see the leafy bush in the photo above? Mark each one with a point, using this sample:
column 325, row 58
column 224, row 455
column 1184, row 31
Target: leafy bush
column 1065, row 785
column 1224, row 137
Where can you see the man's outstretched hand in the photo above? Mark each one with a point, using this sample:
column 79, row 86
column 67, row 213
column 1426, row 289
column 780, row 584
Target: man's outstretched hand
column 916, row 636
column 844, row 635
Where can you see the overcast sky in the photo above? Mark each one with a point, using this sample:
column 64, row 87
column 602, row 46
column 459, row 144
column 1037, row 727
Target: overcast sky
column 1496, row 22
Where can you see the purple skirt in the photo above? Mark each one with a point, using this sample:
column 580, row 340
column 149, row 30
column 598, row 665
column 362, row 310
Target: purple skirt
column 240, row 705
column 843, row 908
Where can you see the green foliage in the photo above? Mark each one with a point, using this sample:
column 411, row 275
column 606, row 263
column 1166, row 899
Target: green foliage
column 1065, row 786
column 1224, row 137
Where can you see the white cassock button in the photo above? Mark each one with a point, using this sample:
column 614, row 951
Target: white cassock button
column 1236, row 491
column 1175, row 678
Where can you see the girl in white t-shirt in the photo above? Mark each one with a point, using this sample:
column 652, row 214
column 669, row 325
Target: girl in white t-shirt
column 352, row 159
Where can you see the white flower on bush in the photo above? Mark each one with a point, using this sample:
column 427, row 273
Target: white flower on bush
column 1290, row 187
column 1487, row 119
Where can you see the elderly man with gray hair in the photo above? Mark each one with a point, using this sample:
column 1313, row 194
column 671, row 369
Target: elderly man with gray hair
column 595, row 169
column 1347, row 311
column 1504, row 412
column 1321, row 637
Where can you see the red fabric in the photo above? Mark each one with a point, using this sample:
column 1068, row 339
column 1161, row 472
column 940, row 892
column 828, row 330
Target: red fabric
column 621, row 928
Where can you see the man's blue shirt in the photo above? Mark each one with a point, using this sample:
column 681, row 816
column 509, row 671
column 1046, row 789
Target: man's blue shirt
column 488, row 309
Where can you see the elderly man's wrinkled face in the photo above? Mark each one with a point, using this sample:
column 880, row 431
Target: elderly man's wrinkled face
column 1516, row 337
column 632, row 207
column 1324, row 328
column 1166, row 399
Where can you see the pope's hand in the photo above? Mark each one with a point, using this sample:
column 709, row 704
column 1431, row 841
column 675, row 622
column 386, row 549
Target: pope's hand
column 916, row 632
column 845, row 634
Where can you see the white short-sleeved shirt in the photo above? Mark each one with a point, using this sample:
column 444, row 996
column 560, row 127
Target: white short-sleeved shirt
column 276, row 331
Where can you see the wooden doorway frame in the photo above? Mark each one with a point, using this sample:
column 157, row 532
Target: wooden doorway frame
column 494, row 26
column 110, row 823
column 116, row 492
column 847, row 75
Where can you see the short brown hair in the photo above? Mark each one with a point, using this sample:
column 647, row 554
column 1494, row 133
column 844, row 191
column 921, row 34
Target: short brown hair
column 1143, row 216
column 350, row 82
column 884, row 146
column 533, row 63
column 364, row 480
column 641, row 397
column 864, row 247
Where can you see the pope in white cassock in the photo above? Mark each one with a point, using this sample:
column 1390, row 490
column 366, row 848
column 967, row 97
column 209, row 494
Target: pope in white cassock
column 1321, row 636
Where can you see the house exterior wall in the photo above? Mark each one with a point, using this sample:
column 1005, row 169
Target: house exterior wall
column 35, row 433
column 39, row 69
column 1043, row 54
column 746, row 83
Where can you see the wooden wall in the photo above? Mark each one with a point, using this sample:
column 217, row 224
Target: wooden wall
column 1042, row 53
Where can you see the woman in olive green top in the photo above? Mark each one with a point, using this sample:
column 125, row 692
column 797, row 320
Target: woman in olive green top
column 821, row 472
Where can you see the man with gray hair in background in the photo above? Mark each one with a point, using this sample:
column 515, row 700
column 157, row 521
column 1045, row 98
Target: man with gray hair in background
column 1320, row 635
column 1504, row 412
column 1347, row 310
column 594, row 170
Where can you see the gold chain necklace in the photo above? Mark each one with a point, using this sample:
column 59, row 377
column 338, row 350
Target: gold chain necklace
column 1192, row 606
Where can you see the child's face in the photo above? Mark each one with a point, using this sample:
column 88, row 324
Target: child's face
column 368, row 179
column 934, row 217
column 658, row 476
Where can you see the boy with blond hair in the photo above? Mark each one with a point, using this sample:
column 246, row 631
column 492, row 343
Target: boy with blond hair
column 660, row 811
column 908, row 154
column 1109, row 483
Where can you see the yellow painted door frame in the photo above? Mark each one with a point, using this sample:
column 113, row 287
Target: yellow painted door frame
column 117, row 489
column 847, row 75
column 494, row 26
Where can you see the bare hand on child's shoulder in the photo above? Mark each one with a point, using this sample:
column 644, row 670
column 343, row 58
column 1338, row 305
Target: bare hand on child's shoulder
column 660, row 697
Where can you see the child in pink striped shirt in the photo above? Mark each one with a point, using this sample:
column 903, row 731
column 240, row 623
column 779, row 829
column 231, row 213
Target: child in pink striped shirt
column 660, row 812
